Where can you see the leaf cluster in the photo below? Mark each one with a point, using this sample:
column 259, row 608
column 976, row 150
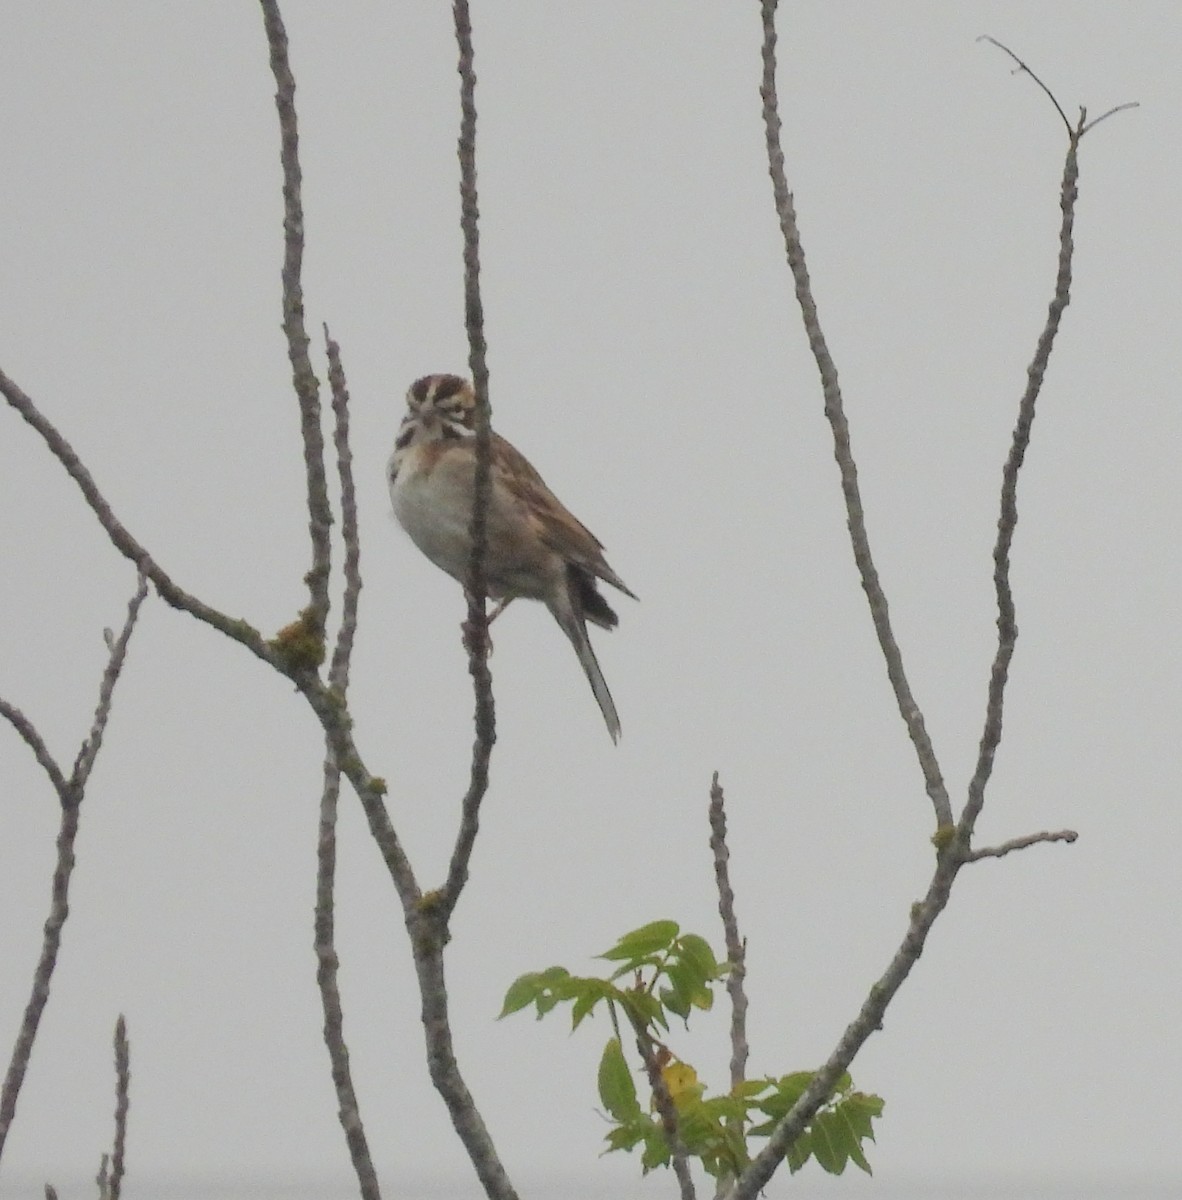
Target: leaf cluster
column 671, row 974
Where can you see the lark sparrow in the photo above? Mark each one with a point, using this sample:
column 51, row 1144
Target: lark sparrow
column 536, row 549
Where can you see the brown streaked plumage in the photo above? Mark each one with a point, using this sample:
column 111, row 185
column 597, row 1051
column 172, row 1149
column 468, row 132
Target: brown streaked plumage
column 537, row 549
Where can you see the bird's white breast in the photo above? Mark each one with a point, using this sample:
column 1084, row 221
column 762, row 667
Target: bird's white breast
column 433, row 511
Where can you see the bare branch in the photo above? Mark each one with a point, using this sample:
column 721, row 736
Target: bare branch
column 338, row 675
column 1007, row 627
column 1073, row 131
column 1090, row 125
column 736, row 947
column 427, row 930
column 1022, row 68
column 70, row 793
column 122, row 1103
column 327, row 964
column 835, row 412
column 122, row 540
column 476, row 625
column 869, row 1019
column 924, row 913
column 89, row 749
column 441, row 1061
column 1020, row 843
column 303, row 377
column 36, row 743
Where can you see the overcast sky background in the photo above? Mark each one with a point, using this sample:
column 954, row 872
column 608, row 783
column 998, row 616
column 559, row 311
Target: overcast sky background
column 646, row 354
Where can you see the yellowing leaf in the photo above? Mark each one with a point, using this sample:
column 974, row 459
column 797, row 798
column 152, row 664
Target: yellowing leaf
column 682, row 1081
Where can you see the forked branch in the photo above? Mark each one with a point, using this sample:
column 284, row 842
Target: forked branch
column 70, row 793
column 954, row 845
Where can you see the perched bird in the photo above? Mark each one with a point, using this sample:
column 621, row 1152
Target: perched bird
column 536, row 548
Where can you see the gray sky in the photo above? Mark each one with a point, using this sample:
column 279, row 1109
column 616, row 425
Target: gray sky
column 646, row 354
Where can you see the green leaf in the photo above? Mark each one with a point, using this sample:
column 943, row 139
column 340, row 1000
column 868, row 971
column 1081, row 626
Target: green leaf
column 750, row 1088
column 647, row 1009
column 587, row 992
column 792, row 1087
column 801, row 1151
column 623, row 1137
column 536, row 987
column 830, row 1142
column 656, row 961
column 687, row 990
column 863, row 1107
column 695, row 952
column 648, row 939
column 617, row 1089
column 656, row 1149
column 856, row 1113
column 788, row 1089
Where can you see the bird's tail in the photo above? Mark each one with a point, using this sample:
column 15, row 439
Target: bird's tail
column 575, row 628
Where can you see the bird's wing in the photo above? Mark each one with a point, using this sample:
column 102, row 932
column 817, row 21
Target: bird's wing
column 554, row 524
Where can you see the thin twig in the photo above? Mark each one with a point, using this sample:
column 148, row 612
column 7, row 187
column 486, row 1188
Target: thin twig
column 1022, row 68
column 1090, row 125
column 476, row 625
column 1020, row 843
column 237, row 630
column 736, row 947
column 1007, row 626
column 843, row 452
column 70, row 793
column 122, row 1103
column 89, row 749
column 33, row 739
column 338, row 675
column 327, row 962
column 303, row 377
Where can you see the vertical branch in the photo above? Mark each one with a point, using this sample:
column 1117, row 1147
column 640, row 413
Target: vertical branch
column 445, row 1072
column 476, row 626
column 842, row 448
column 736, row 947
column 338, row 675
column 327, row 962
column 70, row 793
column 1007, row 625
column 122, row 1103
column 428, row 922
column 303, row 377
